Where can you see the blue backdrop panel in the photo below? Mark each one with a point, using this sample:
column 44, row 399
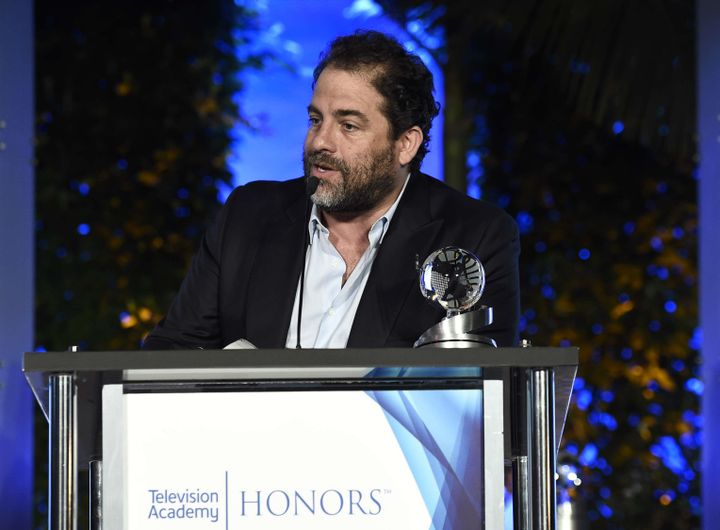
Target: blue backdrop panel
column 16, row 261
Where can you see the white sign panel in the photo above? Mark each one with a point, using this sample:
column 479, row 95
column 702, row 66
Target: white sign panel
column 303, row 459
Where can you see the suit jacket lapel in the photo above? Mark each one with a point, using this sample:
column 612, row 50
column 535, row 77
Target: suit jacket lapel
column 411, row 233
column 275, row 277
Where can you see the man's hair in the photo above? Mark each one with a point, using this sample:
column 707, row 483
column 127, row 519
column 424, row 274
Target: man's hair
column 400, row 77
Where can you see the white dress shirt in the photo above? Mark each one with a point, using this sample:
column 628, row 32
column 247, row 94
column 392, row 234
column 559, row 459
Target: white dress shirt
column 329, row 307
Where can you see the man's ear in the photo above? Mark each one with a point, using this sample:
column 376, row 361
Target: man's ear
column 408, row 144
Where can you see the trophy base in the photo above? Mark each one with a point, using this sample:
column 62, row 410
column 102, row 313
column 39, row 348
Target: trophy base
column 459, row 331
column 469, row 341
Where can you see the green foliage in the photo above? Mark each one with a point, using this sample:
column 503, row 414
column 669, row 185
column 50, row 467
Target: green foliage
column 135, row 106
column 609, row 264
column 136, row 109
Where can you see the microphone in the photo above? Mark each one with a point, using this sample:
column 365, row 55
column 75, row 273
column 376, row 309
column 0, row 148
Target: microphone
column 311, row 185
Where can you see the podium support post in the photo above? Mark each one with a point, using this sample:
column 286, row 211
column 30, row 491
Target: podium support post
column 63, row 452
column 95, row 488
column 520, row 442
column 542, row 457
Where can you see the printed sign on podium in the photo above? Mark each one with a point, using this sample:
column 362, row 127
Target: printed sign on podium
column 326, row 459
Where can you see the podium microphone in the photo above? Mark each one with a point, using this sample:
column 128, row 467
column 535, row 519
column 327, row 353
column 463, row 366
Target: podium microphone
column 311, row 185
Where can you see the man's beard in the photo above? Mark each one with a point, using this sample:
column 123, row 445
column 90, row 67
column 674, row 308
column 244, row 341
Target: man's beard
column 360, row 188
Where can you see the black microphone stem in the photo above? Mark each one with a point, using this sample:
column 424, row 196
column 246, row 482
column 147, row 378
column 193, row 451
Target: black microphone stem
column 310, row 187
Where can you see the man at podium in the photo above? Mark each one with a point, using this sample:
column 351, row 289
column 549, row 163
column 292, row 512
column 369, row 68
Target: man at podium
column 330, row 260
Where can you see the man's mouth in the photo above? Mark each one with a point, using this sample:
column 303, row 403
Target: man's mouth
column 323, row 168
column 323, row 165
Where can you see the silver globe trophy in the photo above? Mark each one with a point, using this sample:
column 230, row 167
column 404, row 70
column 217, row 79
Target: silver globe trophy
column 454, row 278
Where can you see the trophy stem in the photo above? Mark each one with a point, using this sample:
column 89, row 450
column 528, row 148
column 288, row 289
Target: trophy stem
column 459, row 331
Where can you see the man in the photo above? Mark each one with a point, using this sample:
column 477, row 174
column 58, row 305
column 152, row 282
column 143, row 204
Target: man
column 373, row 215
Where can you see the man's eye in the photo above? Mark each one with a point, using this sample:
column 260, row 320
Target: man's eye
column 313, row 121
column 349, row 127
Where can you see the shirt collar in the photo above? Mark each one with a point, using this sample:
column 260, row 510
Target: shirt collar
column 377, row 230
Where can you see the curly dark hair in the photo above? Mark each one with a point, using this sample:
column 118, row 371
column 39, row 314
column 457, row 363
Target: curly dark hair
column 400, row 77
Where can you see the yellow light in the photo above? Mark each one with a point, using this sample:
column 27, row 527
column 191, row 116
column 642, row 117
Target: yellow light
column 635, row 371
column 123, row 89
column 665, row 499
column 129, row 321
column 621, row 309
column 149, row 178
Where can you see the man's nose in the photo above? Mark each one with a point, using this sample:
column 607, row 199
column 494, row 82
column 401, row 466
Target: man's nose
column 321, row 138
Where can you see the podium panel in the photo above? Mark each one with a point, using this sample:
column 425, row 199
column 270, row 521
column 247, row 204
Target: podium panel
column 336, row 458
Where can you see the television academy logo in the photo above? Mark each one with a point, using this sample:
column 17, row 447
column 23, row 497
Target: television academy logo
column 182, row 504
column 167, row 504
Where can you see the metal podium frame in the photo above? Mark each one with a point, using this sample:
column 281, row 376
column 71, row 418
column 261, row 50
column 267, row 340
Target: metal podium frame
column 538, row 387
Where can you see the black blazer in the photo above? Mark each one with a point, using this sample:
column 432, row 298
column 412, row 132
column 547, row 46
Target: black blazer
column 243, row 280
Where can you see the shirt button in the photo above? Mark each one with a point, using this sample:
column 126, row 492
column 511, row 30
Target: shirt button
column 331, row 311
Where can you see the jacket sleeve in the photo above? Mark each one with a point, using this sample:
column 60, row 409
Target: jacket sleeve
column 499, row 251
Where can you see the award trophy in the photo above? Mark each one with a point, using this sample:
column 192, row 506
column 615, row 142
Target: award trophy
column 454, row 278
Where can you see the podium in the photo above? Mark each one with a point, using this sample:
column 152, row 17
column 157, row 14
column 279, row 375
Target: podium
column 351, row 438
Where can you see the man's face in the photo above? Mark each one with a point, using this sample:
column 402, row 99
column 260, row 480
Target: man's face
column 348, row 145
